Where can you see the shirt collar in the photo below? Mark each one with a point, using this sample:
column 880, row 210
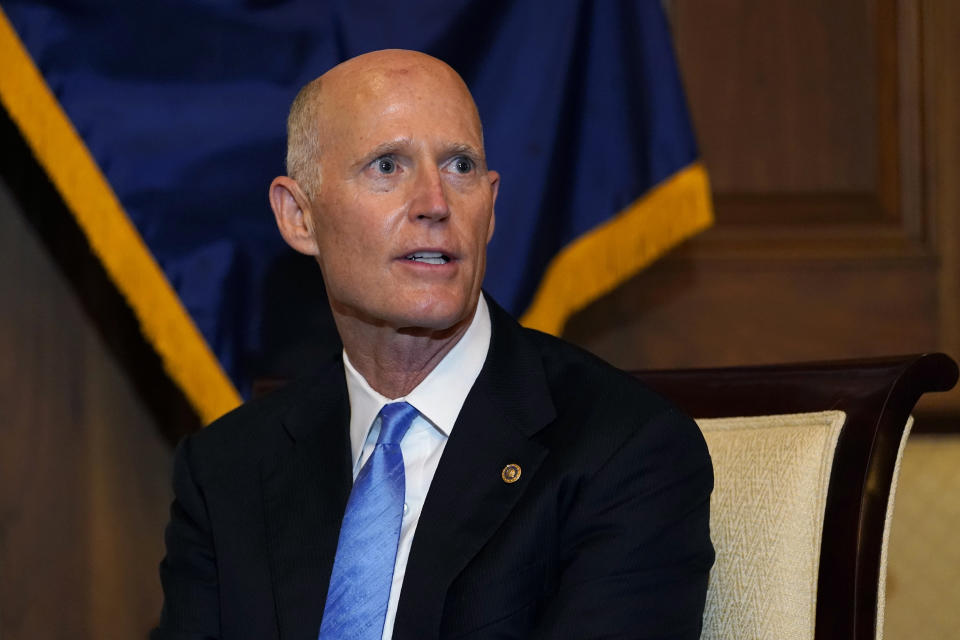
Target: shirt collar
column 439, row 397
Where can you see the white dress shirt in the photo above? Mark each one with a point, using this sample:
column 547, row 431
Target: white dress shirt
column 438, row 398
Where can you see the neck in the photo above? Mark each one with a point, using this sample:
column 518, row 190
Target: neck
column 394, row 361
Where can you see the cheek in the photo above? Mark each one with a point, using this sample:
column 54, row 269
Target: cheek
column 483, row 223
column 353, row 240
column 340, row 225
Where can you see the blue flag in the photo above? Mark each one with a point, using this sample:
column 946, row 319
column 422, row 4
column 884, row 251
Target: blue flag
column 162, row 123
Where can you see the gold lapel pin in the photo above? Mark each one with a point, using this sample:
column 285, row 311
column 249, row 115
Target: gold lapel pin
column 510, row 473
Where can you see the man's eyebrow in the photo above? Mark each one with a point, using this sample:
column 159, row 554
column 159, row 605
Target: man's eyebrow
column 462, row 148
column 455, row 148
column 384, row 149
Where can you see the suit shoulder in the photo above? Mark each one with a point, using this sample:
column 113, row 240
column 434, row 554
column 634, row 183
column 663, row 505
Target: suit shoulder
column 250, row 428
column 577, row 374
column 600, row 409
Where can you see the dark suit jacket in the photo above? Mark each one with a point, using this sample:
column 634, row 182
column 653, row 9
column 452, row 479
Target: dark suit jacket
column 605, row 534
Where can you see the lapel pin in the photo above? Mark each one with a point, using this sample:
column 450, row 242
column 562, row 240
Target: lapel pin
column 510, row 473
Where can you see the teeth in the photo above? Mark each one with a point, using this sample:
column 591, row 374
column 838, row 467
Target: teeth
column 429, row 257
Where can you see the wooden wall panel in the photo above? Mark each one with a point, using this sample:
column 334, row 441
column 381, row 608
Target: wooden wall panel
column 812, row 106
column 775, row 79
column 941, row 53
column 84, row 469
column 830, row 134
column 727, row 313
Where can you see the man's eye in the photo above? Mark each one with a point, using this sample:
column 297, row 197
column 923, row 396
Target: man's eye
column 462, row 164
column 386, row 165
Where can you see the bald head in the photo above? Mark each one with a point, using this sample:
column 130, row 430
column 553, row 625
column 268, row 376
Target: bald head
column 323, row 108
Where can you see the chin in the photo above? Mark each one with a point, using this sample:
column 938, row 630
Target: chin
column 436, row 316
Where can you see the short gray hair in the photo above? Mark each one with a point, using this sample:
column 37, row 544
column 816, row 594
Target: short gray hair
column 303, row 133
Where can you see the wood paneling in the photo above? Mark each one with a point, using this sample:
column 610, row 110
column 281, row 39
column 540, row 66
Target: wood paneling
column 768, row 79
column 942, row 180
column 813, row 106
column 691, row 313
column 84, row 468
column 830, row 134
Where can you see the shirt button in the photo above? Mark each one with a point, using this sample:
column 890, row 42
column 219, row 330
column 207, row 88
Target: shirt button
column 404, row 507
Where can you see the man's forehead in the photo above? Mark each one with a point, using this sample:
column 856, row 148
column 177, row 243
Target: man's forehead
column 382, row 78
column 389, row 63
column 387, row 85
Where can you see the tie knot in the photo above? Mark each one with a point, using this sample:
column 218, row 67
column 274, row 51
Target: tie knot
column 395, row 419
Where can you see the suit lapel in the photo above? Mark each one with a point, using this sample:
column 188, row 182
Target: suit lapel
column 305, row 489
column 468, row 499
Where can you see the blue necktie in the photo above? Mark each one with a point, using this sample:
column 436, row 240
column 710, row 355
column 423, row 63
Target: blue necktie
column 362, row 574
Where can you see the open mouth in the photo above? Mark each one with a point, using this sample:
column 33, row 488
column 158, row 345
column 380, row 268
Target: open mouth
column 429, row 257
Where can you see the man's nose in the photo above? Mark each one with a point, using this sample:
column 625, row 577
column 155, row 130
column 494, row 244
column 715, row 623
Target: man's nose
column 428, row 200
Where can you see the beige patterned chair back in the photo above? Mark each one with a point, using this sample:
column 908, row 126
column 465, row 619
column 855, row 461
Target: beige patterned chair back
column 772, row 479
column 766, row 517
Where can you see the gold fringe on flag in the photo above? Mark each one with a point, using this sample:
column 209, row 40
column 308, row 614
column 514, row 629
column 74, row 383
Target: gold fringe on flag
column 48, row 131
column 598, row 261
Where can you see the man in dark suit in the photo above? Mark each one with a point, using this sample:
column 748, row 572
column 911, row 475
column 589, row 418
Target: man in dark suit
column 544, row 494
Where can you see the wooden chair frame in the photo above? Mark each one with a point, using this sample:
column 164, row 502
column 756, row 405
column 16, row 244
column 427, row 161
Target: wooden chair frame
column 877, row 396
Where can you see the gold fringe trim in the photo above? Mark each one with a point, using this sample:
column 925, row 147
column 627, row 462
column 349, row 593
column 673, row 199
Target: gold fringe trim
column 601, row 259
column 186, row 356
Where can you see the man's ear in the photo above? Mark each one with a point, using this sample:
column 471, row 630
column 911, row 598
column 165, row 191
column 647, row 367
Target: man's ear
column 494, row 178
column 291, row 208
